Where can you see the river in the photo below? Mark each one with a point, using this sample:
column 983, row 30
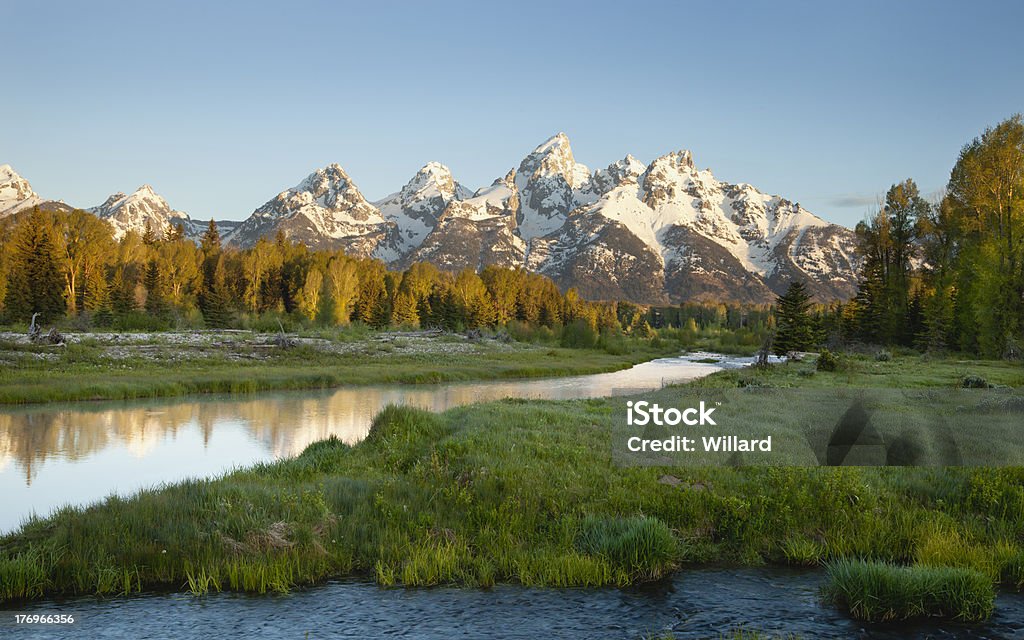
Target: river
column 693, row 604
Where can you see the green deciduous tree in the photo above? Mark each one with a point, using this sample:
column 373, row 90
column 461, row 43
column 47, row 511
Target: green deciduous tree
column 986, row 205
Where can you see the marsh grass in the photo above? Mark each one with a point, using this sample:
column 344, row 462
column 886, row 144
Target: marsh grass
column 881, row 592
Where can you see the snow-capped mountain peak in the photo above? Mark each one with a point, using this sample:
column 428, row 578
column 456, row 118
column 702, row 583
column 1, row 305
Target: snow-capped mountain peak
column 132, row 212
column 550, row 183
column 15, row 192
column 432, row 181
column 324, row 210
column 554, row 157
column 625, row 171
column 416, row 209
column 329, row 189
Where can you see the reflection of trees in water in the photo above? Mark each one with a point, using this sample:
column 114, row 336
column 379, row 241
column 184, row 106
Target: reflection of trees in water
column 34, row 437
column 284, row 425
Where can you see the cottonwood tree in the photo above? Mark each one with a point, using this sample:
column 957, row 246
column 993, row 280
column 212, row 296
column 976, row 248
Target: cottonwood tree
column 986, row 200
column 257, row 264
column 84, row 244
column 343, row 287
column 504, row 286
column 309, row 297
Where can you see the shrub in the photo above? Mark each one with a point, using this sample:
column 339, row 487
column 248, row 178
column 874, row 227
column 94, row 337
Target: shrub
column 879, row 591
column 140, row 321
column 579, row 335
column 613, row 343
column 827, row 361
column 403, row 434
column 974, row 382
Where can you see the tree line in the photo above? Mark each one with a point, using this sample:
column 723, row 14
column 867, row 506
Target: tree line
column 68, row 264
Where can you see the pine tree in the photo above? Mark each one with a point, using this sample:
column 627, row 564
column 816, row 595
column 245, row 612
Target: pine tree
column 96, row 294
column 156, row 302
column 371, row 302
column 214, row 301
column 122, row 292
column 405, row 311
column 210, row 242
column 148, row 235
column 175, row 232
column 795, row 331
column 34, row 282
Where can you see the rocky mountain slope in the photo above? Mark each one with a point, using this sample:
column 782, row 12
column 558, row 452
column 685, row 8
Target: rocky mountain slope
column 131, row 212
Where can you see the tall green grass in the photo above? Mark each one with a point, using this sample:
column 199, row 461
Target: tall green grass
column 643, row 546
column 880, row 592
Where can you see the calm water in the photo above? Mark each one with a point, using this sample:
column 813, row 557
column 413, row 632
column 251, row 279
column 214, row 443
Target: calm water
column 694, row 604
column 53, row 455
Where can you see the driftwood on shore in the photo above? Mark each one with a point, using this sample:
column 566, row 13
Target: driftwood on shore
column 765, row 351
column 36, row 335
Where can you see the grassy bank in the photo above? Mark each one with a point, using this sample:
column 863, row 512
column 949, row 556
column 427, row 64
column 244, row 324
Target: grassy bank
column 102, row 367
column 526, row 491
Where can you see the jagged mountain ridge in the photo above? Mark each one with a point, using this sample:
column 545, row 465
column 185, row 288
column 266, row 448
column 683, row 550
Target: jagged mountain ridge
column 662, row 232
column 653, row 233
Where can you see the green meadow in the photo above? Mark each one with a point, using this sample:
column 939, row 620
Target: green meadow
column 527, row 492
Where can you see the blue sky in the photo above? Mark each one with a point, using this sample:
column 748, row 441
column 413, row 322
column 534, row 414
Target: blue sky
column 221, row 107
